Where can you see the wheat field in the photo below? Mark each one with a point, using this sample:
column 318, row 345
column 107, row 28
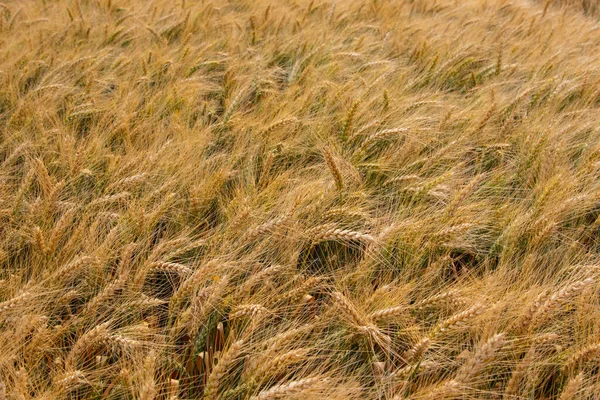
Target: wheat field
column 294, row 199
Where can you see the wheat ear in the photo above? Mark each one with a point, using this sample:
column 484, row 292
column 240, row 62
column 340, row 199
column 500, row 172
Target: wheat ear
column 458, row 319
column 220, row 370
column 335, row 171
column 572, row 387
column 86, row 340
column 148, row 386
column 582, row 356
column 288, row 389
column 328, row 232
column 512, row 387
column 476, row 363
column 557, row 298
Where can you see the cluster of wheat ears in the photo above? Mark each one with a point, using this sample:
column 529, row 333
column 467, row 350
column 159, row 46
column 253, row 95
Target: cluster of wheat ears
column 279, row 199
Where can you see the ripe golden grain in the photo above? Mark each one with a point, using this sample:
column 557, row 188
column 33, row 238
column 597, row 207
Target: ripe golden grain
column 299, row 199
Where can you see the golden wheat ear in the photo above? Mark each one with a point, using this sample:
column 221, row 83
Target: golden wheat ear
column 224, row 362
column 572, row 387
column 290, row 389
column 333, row 168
